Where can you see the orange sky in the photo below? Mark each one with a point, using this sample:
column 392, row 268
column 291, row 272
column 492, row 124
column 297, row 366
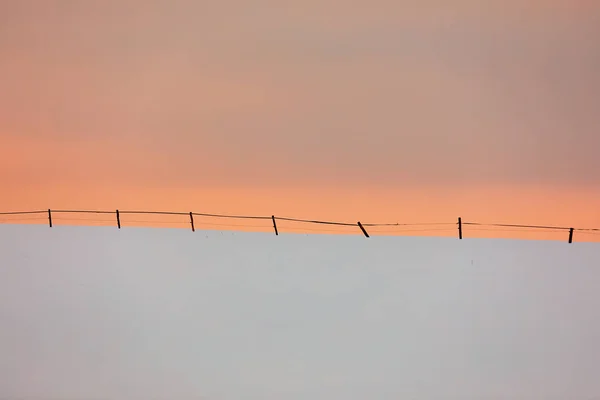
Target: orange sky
column 381, row 111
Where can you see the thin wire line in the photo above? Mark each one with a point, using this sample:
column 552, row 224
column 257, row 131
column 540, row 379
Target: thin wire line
column 82, row 212
column 412, row 230
column 517, row 226
column 514, row 230
column 81, row 219
column 413, row 224
column 22, row 212
column 68, row 220
column 200, row 225
column 153, row 212
column 589, row 233
column 75, row 223
column 315, row 221
column 228, row 216
column 341, row 228
column 316, row 230
column 154, row 222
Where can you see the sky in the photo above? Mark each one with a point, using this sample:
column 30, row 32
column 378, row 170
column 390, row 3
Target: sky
column 92, row 313
column 379, row 110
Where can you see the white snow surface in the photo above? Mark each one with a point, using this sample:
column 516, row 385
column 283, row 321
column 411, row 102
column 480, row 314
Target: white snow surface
column 98, row 313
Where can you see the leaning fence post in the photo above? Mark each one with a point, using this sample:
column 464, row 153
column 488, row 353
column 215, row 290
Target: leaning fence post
column 118, row 220
column 460, row 228
column 275, row 225
column 571, row 235
column 50, row 218
column 192, row 221
column 362, row 228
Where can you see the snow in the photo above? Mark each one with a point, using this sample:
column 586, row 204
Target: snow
column 142, row 313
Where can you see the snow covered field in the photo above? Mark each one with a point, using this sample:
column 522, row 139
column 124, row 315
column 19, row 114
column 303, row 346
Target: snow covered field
column 98, row 313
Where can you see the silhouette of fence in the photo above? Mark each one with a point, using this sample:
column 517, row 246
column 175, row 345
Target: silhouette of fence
column 278, row 224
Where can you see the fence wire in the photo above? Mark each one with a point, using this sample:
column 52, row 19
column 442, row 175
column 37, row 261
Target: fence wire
column 281, row 224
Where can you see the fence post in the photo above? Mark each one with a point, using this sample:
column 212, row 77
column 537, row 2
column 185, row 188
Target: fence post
column 571, row 235
column 275, row 225
column 192, row 221
column 460, row 228
column 362, row 228
column 50, row 218
column 118, row 220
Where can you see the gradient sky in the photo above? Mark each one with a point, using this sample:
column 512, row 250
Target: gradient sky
column 384, row 109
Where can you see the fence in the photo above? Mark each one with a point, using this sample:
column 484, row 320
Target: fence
column 275, row 223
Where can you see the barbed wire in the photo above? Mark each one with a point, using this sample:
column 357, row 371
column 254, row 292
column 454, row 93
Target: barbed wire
column 397, row 227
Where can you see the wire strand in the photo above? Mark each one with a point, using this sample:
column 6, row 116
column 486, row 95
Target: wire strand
column 152, row 212
column 477, row 226
column 516, row 226
column 81, row 219
column 308, row 221
column 413, row 224
column 22, row 212
column 412, row 230
column 81, row 212
column 514, row 230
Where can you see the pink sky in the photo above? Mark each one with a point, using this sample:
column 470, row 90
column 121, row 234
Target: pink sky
column 390, row 97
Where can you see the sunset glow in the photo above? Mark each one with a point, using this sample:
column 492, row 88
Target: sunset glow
column 377, row 111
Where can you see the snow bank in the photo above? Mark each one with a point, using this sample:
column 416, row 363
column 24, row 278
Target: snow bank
column 98, row 313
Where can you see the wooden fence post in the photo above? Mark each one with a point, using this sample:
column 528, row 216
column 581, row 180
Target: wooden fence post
column 50, row 218
column 118, row 220
column 275, row 225
column 460, row 228
column 362, row 228
column 192, row 221
column 571, row 235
